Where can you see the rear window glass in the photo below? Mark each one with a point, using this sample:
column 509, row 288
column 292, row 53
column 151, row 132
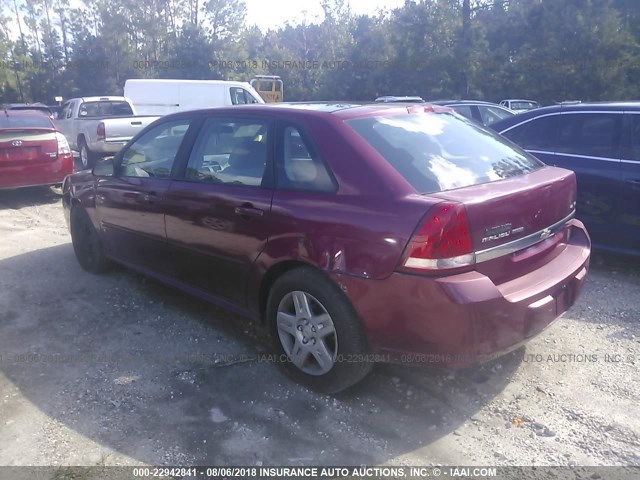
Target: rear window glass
column 464, row 110
column 44, row 110
column 37, row 121
column 443, row 151
column 105, row 109
column 523, row 105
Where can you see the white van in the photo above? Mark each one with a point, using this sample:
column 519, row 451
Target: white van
column 161, row 97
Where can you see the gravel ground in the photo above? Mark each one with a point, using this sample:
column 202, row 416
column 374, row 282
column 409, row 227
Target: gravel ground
column 119, row 370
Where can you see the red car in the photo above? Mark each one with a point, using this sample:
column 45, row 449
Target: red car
column 356, row 233
column 32, row 151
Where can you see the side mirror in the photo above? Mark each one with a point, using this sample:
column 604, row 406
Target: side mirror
column 104, row 168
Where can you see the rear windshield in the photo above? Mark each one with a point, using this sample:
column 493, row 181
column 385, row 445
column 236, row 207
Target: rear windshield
column 105, row 109
column 442, row 151
column 37, row 121
column 37, row 108
column 523, row 105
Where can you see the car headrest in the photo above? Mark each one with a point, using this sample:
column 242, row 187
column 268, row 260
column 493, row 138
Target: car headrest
column 249, row 154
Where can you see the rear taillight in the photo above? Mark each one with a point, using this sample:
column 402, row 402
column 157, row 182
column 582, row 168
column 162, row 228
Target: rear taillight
column 100, row 131
column 63, row 145
column 441, row 242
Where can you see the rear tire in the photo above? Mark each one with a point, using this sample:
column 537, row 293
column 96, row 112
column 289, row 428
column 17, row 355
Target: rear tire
column 315, row 327
column 86, row 243
column 87, row 157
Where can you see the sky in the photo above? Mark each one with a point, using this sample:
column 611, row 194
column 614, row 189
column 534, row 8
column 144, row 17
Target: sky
column 274, row 13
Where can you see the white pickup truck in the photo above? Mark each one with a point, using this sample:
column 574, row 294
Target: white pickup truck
column 99, row 126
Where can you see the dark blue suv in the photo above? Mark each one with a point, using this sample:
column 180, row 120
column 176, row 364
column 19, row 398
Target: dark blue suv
column 600, row 142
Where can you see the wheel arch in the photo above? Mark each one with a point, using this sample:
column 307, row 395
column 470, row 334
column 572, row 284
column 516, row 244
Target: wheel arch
column 270, row 277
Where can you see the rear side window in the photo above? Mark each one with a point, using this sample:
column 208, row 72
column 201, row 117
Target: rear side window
column 590, row 134
column 538, row 134
column 299, row 167
column 37, row 121
column 436, row 152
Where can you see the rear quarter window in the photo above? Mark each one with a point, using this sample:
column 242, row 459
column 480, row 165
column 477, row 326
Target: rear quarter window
column 299, row 166
column 442, row 151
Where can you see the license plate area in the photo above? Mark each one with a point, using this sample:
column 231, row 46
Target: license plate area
column 19, row 154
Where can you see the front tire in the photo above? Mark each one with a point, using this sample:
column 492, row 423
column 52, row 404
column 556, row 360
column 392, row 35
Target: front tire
column 315, row 326
column 86, row 242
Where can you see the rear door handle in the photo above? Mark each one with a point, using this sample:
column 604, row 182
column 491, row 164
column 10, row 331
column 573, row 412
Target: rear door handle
column 248, row 211
column 635, row 183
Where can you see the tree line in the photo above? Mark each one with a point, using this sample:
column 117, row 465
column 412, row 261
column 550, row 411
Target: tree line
column 546, row 50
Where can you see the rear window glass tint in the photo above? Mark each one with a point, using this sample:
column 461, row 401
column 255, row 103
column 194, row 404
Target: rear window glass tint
column 437, row 152
column 590, row 134
column 464, row 110
column 523, row 105
column 105, row 109
column 39, row 121
column 539, row 134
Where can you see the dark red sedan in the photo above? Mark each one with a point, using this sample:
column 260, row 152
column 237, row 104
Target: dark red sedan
column 32, row 151
column 356, row 233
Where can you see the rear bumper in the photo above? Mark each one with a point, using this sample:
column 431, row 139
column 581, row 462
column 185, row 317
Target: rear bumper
column 37, row 174
column 466, row 319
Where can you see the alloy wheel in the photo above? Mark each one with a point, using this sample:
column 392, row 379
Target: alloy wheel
column 307, row 333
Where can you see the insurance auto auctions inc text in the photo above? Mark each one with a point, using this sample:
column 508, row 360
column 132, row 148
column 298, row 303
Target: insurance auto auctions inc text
column 376, row 472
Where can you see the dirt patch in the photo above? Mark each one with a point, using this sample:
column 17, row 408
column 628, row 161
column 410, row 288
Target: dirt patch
column 117, row 369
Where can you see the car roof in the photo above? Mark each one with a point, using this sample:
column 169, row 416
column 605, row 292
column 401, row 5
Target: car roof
column 343, row 110
column 566, row 107
column 36, row 107
column 518, row 100
column 399, row 99
column 104, row 98
column 24, row 113
column 463, row 102
column 186, row 81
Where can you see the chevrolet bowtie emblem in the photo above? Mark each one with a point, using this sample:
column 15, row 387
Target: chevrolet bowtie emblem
column 546, row 233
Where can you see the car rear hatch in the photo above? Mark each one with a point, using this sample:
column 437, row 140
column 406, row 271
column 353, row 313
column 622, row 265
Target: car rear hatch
column 499, row 210
column 516, row 224
column 27, row 146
